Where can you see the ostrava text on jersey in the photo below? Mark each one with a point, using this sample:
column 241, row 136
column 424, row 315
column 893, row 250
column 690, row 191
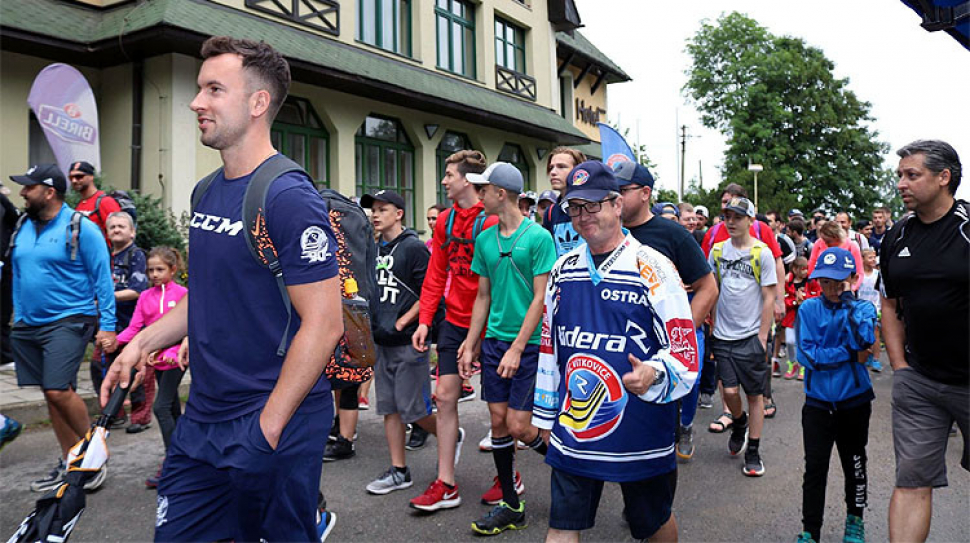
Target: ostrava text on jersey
column 634, row 303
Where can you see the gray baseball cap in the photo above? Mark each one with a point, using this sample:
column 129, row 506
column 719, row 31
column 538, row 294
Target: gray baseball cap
column 501, row 174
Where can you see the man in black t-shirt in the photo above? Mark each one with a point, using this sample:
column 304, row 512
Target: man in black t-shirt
column 677, row 244
column 925, row 262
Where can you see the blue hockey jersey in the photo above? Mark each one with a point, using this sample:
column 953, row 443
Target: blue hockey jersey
column 634, row 303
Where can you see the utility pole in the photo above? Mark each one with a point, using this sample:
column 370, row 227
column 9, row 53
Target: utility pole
column 683, row 152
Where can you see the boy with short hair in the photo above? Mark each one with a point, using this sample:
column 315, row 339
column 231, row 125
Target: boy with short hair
column 515, row 256
column 745, row 270
column 401, row 373
column 833, row 329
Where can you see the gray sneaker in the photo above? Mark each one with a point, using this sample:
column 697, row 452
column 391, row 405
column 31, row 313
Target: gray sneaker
column 685, row 444
column 390, row 480
column 52, row 479
column 706, row 401
column 95, row 482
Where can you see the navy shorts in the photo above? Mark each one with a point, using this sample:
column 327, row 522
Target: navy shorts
column 450, row 338
column 50, row 355
column 647, row 503
column 518, row 391
column 223, row 481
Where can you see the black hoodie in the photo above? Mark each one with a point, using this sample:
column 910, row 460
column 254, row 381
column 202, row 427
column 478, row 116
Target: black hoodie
column 401, row 265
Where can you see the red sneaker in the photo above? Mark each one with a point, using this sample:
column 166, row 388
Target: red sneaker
column 494, row 495
column 437, row 496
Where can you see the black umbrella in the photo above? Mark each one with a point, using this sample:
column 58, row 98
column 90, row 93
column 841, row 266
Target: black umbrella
column 58, row 511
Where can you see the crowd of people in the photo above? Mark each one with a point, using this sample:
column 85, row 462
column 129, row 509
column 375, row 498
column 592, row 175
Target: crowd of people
column 598, row 320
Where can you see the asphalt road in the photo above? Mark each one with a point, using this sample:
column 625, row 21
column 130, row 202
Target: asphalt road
column 715, row 502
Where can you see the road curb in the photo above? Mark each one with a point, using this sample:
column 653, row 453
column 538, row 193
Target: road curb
column 33, row 412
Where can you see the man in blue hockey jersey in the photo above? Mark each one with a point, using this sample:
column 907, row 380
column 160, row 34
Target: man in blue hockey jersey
column 618, row 348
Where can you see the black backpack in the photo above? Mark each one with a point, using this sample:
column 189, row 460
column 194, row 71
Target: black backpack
column 124, row 200
column 356, row 245
column 254, row 222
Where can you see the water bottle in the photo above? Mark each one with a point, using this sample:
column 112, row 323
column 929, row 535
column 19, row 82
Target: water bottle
column 357, row 330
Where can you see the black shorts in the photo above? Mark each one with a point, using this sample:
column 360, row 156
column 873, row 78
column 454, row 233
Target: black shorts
column 741, row 362
column 450, row 338
column 647, row 503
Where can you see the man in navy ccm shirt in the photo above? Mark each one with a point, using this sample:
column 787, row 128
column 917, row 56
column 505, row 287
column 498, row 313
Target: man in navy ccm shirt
column 245, row 460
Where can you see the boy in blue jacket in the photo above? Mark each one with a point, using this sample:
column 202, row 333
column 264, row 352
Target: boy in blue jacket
column 832, row 329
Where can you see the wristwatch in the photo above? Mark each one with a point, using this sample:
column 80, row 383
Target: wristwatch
column 660, row 375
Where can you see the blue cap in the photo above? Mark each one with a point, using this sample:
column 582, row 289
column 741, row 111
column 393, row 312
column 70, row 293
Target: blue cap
column 669, row 208
column 592, row 180
column 631, row 172
column 549, row 195
column 834, row 263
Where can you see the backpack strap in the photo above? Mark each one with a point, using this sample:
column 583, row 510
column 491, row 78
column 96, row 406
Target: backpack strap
column 503, row 254
column 97, row 205
column 716, row 252
column 257, row 235
column 13, row 237
column 74, row 239
column 479, row 224
column 477, row 227
column 199, row 191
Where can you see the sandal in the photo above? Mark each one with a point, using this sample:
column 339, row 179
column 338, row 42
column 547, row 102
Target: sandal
column 718, row 426
column 770, row 409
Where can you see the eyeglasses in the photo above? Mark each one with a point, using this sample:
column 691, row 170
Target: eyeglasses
column 624, row 190
column 574, row 210
column 78, row 176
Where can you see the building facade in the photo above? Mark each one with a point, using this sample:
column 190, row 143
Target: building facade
column 383, row 90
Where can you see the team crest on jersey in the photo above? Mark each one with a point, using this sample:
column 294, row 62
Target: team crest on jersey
column 314, row 244
column 595, row 398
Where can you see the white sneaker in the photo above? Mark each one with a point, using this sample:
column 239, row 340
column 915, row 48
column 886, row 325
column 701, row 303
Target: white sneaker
column 461, row 441
column 485, row 445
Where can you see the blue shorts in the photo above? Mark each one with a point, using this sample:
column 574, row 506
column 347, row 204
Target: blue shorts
column 222, row 481
column 518, row 391
column 450, row 339
column 647, row 503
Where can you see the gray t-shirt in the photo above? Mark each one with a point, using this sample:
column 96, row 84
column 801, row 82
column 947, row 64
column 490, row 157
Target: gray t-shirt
column 738, row 311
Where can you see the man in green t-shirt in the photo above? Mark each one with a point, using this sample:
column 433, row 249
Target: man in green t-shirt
column 515, row 256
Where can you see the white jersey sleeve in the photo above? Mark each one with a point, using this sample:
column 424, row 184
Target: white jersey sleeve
column 545, row 403
column 678, row 358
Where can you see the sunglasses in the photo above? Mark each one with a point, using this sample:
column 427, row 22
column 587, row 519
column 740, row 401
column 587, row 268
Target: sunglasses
column 75, row 176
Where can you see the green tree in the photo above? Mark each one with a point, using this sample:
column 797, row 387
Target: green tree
column 666, row 195
column 778, row 103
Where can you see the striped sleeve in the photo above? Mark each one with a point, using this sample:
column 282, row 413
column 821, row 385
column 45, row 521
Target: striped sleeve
column 545, row 404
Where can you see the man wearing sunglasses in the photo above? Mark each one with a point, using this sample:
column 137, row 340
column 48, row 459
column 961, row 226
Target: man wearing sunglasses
column 618, row 348
column 94, row 203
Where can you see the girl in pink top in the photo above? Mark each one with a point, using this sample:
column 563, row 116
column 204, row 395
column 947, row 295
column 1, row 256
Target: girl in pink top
column 830, row 234
column 169, row 366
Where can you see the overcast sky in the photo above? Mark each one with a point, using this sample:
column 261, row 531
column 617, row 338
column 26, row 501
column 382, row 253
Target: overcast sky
column 913, row 78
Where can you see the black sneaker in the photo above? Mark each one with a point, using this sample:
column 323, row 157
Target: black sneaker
column 419, row 436
column 467, row 394
column 501, row 518
column 739, row 435
column 334, row 431
column 340, row 449
column 753, row 466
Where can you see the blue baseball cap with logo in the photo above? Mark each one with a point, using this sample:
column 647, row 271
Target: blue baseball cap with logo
column 631, row 172
column 834, row 263
column 592, row 181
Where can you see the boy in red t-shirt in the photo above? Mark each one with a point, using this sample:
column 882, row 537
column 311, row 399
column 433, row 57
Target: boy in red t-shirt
column 453, row 246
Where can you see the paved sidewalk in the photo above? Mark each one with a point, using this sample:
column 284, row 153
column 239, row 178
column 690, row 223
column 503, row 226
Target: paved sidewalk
column 27, row 404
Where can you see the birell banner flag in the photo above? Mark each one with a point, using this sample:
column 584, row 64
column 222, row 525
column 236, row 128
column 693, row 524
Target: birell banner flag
column 614, row 148
column 64, row 105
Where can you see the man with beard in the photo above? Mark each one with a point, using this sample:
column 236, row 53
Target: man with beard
column 55, row 251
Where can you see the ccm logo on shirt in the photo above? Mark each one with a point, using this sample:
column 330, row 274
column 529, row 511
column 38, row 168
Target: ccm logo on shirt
column 218, row 225
column 576, row 338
